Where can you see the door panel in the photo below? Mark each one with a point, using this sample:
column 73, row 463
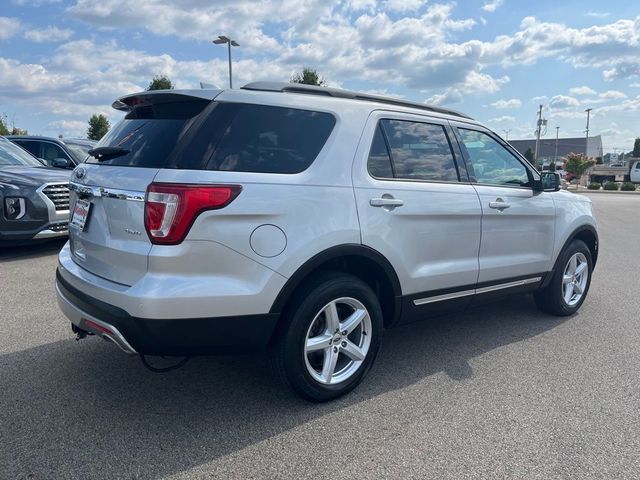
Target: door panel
column 428, row 230
column 517, row 223
column 517, row 240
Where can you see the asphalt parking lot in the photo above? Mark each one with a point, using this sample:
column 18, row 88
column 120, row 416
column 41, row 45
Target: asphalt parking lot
column 502, row 391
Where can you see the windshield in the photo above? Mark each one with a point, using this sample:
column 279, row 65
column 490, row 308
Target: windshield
column 80, row 151
column 11, row 154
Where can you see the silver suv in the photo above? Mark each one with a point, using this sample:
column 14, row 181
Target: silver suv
column 305, row 221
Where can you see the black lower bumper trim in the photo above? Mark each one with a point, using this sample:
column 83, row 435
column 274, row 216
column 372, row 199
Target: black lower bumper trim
column 184, row 336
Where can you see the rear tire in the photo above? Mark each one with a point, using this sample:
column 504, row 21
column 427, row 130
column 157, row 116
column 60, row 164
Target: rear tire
column 570, row 282
column 330, row 338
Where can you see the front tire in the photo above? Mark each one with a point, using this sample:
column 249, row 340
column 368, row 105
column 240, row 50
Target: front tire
column 331, row 337
column 570, row 282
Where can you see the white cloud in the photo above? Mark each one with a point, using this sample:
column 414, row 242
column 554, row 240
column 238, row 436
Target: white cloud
column 597, row 14
column 612, row 95
column 403, row 5
column 503, row 119
column 50, row 34
column 492, row 6
column 511, row 103
column 613, row 46
column 67, row 128
column 563, row 101
column 450, row 97
column 8, row 27
column 584, row 90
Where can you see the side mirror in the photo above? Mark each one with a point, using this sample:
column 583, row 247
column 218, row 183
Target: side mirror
column 60, row 163
column 549, row 182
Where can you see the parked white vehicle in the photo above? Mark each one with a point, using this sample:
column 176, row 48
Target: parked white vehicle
column 306, row 220
column 634, row 173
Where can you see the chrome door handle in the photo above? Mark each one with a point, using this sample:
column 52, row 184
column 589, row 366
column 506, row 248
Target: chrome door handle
column 386, row 202
column 499, row 204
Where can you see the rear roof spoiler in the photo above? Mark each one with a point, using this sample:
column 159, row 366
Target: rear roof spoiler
column 154, row 97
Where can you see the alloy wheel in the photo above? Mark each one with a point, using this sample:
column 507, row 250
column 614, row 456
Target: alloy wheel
column 575, row 278
column 337, row 341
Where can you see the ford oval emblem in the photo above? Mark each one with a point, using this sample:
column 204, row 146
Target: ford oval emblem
column 80, row 171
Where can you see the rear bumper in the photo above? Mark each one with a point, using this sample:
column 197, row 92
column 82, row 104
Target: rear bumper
column 184, row 336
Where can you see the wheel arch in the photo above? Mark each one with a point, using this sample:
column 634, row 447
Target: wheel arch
column 589, row 235
column 359, row 260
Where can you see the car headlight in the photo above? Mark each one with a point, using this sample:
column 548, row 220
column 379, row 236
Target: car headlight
column 14, row 208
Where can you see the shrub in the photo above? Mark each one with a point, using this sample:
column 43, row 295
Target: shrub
column 594, row 186
column 628, row 187
column 610, row 186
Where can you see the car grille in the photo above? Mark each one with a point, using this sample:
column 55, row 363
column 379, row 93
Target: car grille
column 58, row 194
column 60, row 227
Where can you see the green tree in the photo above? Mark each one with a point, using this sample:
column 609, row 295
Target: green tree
column 98, row 126
column 160, row 82
column 529, row 155
column 309, row 76
column 636, row 148
column 577, row 164
column 4, row 130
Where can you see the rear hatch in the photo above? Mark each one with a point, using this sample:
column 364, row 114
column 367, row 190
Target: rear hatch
column 168, row 131
column 107, row 236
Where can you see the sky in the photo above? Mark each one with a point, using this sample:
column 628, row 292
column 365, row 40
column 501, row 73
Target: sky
column 495, row 60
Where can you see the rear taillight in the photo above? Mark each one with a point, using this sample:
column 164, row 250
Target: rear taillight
column 170, row 209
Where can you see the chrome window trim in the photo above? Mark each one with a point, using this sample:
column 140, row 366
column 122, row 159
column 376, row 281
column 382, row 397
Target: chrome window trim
column 476, row 291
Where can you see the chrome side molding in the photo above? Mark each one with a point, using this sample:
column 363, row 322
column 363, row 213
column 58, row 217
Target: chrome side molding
column 476, row 291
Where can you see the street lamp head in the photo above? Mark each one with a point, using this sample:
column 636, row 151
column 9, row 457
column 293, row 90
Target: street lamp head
column 221, row 39
column 234, row 43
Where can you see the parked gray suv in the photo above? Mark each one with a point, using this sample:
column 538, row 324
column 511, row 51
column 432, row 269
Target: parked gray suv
column 304, row 221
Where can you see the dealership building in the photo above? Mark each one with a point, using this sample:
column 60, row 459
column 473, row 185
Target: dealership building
column 547, row 148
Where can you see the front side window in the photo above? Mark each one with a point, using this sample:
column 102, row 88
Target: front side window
column 51, row 151
column 491, row 163
column 418, row 151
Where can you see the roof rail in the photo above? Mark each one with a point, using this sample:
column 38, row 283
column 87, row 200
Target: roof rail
column 340, row 93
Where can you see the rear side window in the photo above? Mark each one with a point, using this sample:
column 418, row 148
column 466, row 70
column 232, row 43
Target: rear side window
column 31, row 147
column 379, row 163
column 418, row 151
column 224, row 136
column 265, row 139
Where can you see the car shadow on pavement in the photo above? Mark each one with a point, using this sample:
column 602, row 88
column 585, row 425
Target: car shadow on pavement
column 84, row 410
column 34, row 250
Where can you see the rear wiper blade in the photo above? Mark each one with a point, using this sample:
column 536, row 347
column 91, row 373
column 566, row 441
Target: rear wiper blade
column 105, row 153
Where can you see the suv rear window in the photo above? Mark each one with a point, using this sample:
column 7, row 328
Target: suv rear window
column 223, row 136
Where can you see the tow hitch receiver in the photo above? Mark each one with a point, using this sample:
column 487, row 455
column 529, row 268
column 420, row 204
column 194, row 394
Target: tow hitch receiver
column 80, row 334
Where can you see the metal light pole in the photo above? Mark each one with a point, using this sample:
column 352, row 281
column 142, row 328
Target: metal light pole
column 586, row 147
column 506, row 132
column 555, row 157
column 230, row 43
column 540, row 122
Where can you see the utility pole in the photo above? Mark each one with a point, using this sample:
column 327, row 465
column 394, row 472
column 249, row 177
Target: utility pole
column 586, row 147
column 506, row 132
column 555, row 157
column 538, row 130
column 230, row 43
